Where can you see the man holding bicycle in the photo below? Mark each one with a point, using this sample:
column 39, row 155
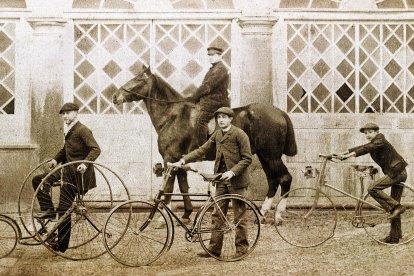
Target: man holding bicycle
column 233, row 157
column 393, row 166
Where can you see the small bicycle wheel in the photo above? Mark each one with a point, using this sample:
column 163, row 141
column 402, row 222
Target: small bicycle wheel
column 308, row 217
column 8, row 236
column 376, row 222
column 137, row 233
column 228, row 234
column 69, row 209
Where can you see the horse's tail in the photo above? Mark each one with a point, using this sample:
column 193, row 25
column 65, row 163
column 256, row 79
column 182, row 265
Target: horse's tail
column 290, row 148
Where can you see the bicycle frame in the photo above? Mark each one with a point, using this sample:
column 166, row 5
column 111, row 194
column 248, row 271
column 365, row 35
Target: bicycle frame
column 321, row 182
column 158, row 200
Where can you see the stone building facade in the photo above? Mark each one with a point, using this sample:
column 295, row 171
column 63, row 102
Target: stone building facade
column 331, row 64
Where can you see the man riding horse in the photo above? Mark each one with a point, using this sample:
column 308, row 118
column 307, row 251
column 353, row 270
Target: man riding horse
column 212, row 94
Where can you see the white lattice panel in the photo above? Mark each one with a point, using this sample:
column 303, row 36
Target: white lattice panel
column 106, row 57
column 7, row 65
column 350, row 67
column 320, row 68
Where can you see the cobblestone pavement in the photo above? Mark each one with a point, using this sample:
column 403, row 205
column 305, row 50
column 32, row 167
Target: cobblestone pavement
column 350, row 252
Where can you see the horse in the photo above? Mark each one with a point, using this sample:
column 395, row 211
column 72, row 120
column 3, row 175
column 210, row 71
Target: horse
column 270, row 131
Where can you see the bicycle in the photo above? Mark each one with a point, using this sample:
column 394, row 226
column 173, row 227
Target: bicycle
column 86, row 214
column 132, row 235
column 312, row 221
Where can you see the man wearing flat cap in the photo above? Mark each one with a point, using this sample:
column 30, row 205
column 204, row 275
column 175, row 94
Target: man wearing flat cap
column 79, row 145
column 212, row 94
column 233, row 158
column 393, row 166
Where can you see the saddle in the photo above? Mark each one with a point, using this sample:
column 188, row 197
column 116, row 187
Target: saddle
column 211, row 177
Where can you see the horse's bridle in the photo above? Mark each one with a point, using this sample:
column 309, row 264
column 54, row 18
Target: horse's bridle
column 151, row 98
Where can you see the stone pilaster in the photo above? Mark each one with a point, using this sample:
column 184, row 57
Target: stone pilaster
column 256, row 55
column 46, row 78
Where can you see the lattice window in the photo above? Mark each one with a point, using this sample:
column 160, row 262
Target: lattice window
column 180, row 52
column 107, row 56
column 7, row 64
column 409, row 35
column 321, row 76
column 350, row 68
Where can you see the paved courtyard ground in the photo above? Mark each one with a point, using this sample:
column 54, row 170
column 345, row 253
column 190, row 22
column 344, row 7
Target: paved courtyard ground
column 350, row 252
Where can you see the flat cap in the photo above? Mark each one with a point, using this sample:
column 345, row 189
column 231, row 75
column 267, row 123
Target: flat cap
column 69, row 107
column 224, row 110
column 369, row 126
column 214, row 50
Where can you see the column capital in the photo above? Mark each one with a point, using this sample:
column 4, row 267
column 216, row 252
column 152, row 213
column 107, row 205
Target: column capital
column 47, row 25
column 257, row 24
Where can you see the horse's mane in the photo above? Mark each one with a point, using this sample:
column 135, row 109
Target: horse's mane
column 169, row 92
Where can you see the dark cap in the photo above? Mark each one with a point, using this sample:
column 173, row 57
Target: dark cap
column 214, row 50
column 224, row 110
column 69, row 107
column 369, row 126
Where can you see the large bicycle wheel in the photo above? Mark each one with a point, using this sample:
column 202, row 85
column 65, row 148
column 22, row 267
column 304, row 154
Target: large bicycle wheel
column 226, row 234
column 308, row 217
column 376, row 222
column 24, row 201
column 137, row 233
column 68, row 212
column 8, row 236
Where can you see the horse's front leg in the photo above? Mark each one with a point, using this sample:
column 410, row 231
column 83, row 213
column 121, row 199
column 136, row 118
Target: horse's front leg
column 169, row 188
column 184, row 188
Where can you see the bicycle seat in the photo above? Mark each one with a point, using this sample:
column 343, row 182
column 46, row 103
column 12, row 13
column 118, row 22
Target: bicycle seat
column 211, row 177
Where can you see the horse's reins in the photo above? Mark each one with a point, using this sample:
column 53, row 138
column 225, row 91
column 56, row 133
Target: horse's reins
column 150, row 98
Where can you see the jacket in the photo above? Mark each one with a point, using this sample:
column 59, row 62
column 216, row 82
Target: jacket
column 384, row 154
column 234, row 146
column 213, row 93
column 80, row 145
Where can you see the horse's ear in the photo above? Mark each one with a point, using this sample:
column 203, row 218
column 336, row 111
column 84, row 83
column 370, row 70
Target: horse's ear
column 146, row 69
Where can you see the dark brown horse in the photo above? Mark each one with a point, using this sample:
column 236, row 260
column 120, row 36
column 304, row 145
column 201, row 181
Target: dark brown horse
column 270, row 130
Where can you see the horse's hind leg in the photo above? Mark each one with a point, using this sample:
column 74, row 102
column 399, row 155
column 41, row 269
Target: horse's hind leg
column 285, row 180
column 183, row 185
column 272, row 185
column 277, row 174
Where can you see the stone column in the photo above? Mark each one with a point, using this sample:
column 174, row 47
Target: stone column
column 256, row 55
column 46, row 84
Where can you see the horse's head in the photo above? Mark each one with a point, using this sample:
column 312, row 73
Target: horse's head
column 135, row 89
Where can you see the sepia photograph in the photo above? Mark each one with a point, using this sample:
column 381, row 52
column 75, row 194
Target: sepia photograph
column 206, row 137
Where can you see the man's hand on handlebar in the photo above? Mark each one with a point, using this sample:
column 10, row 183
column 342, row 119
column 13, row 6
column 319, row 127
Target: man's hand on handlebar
column 227, row 175
column 343, row 155
column 177, row 164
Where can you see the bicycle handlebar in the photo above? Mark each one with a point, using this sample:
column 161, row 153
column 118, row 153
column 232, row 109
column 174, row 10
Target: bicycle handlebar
column 206, row 176
column 332, row 157
column 184, row 167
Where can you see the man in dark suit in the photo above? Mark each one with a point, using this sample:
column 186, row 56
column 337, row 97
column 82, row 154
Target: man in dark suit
column 79, row 145
column 393, row 166
column 212, row 94
column 233, row 157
